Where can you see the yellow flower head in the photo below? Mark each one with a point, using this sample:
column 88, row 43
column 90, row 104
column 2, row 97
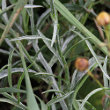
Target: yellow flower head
column 103, row 18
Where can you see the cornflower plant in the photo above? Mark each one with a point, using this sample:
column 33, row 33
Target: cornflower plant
column 54, row 55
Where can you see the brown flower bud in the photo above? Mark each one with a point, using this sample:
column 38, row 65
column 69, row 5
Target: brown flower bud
column 81, row 64
column 103, row 18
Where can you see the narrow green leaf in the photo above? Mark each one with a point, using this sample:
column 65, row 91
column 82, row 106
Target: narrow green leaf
column 13, row 99
column 31, row 101
column 52, row 90
column 55, row 100
column 12, row 102
column 11, row 90
column 9, row 68
column 43, row 105
column 106, row 84
column 7, row 9
column 3, row 68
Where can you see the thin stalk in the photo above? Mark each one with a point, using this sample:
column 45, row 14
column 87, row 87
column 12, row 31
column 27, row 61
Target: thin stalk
column 92, row 76
column 107, row 33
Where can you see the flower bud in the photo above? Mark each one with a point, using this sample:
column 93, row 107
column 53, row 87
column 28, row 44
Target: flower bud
column 81, row 64
column 103, row 18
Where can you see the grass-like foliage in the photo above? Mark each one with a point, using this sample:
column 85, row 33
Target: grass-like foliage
column 40, row 41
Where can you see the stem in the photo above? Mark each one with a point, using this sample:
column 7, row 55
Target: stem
column 107, row 33
column 92, row 76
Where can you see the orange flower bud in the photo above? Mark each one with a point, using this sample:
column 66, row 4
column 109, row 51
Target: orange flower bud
column 103, row 18
column 81, row 64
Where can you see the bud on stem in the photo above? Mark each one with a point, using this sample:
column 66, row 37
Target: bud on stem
column 82, row 64
column 103, row 19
